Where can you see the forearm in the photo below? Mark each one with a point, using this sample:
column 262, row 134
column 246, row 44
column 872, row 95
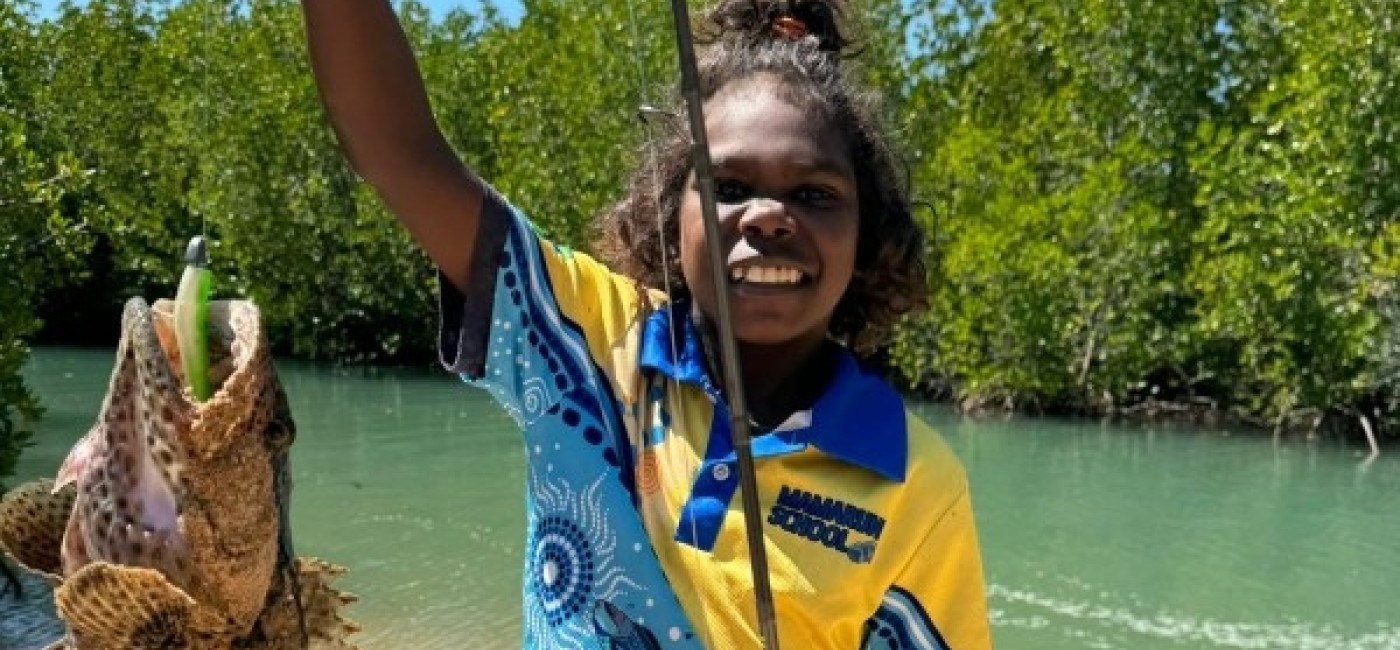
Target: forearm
column 374, row 96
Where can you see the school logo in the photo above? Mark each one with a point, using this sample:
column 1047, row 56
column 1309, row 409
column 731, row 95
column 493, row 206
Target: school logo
column 834, row 524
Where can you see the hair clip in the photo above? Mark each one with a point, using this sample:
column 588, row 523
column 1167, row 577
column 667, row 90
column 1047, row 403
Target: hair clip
column 789, row 28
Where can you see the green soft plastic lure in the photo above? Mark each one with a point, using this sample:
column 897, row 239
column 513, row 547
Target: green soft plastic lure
column 192, row 318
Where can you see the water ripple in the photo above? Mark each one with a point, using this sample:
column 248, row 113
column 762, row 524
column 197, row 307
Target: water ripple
column 1172, row 626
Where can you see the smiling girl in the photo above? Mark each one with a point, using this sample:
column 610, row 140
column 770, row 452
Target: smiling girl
column 635, row 537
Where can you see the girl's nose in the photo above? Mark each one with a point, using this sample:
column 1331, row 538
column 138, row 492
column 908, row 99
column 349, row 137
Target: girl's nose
column 766, row 218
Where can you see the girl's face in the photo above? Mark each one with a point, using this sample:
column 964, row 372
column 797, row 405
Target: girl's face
column 785, row 189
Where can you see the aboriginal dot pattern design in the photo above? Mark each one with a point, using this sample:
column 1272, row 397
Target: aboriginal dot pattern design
column 563, row 568
column 586, row 550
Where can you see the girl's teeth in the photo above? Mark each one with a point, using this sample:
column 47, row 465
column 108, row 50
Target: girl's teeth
column 766, row 275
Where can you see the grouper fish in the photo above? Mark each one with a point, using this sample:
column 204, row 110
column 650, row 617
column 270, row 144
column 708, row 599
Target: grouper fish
column 168, row 523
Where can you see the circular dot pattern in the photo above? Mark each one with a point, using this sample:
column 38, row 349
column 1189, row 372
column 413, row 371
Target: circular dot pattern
column 561, row 568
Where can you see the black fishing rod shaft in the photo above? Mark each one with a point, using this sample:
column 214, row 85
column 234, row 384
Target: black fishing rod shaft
column 729, row 349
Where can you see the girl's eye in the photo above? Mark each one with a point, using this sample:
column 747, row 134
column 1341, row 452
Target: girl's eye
column 814, row 195
column 730, row 191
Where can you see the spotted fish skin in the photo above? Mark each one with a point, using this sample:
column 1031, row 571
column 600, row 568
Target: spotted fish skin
column 167, row 526
column 184, row 488
column 129, row 467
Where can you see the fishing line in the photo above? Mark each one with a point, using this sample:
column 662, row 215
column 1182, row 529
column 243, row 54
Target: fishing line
column 646, row 113
column 206, row 122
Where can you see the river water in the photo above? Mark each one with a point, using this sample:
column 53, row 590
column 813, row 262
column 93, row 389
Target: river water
column 1093, row 536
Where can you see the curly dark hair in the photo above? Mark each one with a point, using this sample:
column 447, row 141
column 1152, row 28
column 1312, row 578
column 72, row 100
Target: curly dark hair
column 744, row 39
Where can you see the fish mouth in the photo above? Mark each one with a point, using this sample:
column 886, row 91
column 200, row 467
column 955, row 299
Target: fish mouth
column 180, row 508
column 129, row 468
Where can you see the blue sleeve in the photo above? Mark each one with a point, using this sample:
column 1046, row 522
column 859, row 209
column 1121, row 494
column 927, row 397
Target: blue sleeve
column 539, row 321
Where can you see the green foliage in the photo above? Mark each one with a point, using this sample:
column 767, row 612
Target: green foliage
column 1060, row 199
column 39, row 246
column 560, row 143
column 1295, row 189
column 1127, row 200
column 1152, row 199
column 1385, row 348
column 295, row 231
column 222, row 133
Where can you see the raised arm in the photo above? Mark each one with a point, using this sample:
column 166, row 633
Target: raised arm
column 373, row 94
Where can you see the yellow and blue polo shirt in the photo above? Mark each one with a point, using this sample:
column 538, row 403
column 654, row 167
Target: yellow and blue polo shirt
column 635, row 537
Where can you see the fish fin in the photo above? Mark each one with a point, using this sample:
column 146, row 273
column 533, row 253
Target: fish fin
column 316, row 618
column 79, row 458
column 33, row 518
column 113, row 606
column 324, row 602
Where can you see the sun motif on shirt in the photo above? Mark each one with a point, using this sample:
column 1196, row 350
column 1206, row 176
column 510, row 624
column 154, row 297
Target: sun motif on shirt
column 570, row 563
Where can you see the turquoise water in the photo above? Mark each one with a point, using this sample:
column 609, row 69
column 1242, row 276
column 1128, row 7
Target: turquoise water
column 1093, row 536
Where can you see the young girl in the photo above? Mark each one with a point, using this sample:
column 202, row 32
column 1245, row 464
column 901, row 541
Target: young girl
column 635, row 536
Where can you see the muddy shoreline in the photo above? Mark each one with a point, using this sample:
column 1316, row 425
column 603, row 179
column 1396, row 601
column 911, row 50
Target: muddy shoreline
column 1365, row 432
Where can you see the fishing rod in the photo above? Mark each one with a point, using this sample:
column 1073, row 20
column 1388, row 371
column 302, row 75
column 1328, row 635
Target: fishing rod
column 729, row 348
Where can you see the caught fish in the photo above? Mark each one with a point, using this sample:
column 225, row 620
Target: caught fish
column 168, row 523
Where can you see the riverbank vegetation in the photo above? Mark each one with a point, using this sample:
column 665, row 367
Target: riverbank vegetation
column 1135, row 206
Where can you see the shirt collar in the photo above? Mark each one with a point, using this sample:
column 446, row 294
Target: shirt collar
column 858, row 419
